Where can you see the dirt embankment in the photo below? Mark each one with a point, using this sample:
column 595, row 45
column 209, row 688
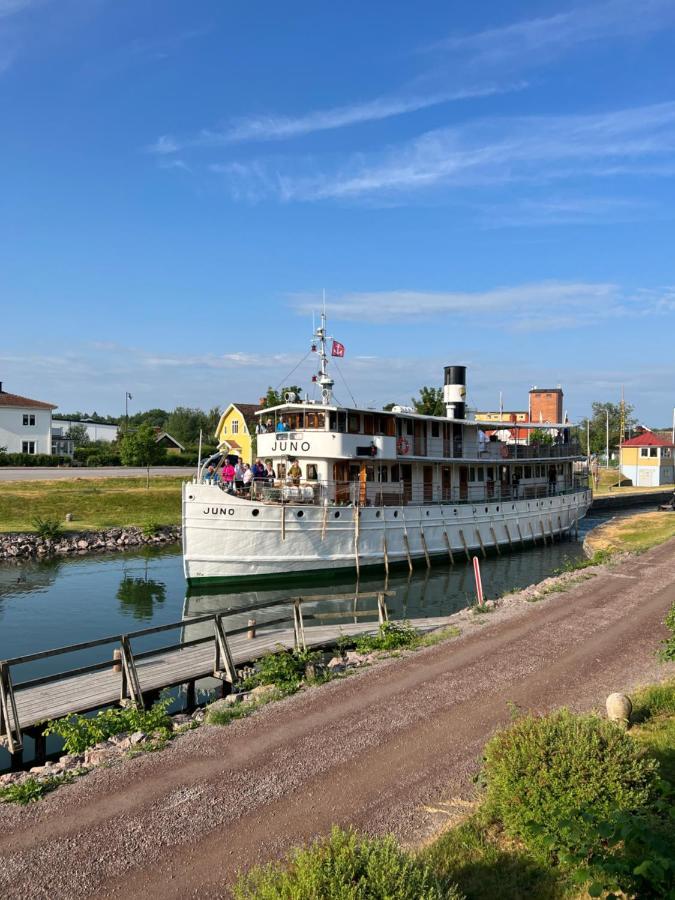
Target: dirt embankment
column 390, row 749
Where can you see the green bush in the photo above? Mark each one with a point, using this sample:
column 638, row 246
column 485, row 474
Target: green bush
column 668, row 646
column 48, row 529
column 32, row 789
column 285, row 670
column 390, row 636
column 81, row 732
column 544, row 773
column 32, row 459
column 345, row 866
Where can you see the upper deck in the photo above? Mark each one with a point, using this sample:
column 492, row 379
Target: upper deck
column 332, row 432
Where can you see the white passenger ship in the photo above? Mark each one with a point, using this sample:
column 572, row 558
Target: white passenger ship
column 381, row 488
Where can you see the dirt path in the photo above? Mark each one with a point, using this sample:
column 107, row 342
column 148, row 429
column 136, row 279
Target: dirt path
column 393, row 748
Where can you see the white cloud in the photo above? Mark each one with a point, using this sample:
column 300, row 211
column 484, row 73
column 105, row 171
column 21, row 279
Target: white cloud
column 485, row 152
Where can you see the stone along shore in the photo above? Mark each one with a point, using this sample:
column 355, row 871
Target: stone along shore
column 28, row 546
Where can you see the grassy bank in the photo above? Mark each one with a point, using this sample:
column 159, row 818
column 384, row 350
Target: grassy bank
column 633, row 533
column 94, row 503
column 572, row 807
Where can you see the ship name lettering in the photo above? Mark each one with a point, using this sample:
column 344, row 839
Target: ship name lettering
column 218, row 510
column 290, row 446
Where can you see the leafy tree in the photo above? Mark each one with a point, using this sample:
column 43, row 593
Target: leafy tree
column 276, row 398
column 155, row 417
column 541, row 436
column 140, row 448
column 185, row 423
column 78, row 435
column 430, row 402
column 598, row 426
column 212, row 419
column 389, row 406
column 139, row 596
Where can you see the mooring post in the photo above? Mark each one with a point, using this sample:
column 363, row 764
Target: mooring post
column 250, row 634
column 40, row 742
column 190, row 695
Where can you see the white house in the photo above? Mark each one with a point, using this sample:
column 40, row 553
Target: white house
column 25, row 424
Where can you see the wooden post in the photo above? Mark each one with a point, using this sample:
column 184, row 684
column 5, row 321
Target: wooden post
column 424, row 547
column 494, row 538
column 550, row 528
column 534, row 540
column 324, row 519
column 520, row 534
column 356, row 540
column 117, row 660
column 131, row 687
column 480, row 541
column 298, row 625
column 250, row 634
column 466, row 549
column 10, row 728
column 223, row 665
column 382, row 612
column 407, row 550
column 190, row 695
column 386, row 555
column 543, row 531
column 40, row 745
column 283, row 518
column 508, row 534
column 447, row 539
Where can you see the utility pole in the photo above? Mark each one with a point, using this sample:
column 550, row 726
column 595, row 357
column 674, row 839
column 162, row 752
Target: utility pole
column 607, row 441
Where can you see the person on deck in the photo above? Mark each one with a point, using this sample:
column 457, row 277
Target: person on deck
column 552, row 480
column 281, row 425
column 259, row 471
column 247, row 479
column 228, row 477
column 239, row 475
column 295, row 472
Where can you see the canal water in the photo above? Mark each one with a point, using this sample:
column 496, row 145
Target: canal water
column 53, row 603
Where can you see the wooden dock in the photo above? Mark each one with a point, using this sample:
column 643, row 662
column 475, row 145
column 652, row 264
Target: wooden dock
column 139, row 677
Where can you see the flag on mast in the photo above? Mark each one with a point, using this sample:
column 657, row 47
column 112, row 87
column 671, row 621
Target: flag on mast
column 337, row 349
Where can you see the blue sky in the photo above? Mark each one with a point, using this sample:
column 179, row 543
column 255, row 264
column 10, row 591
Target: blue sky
column 489, row 184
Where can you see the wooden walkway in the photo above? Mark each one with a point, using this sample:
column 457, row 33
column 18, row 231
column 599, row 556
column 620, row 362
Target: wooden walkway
column 139, row 677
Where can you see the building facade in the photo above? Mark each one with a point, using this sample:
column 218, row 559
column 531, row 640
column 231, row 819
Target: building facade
column 546, row 405
column 25, row 424
column 236, row 430
column 648, row 460
column 96, row 431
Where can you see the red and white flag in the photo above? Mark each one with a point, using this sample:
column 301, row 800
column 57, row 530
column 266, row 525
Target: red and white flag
column 337, row 349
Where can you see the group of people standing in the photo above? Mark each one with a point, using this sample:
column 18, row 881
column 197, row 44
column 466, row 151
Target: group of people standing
column 237, row 477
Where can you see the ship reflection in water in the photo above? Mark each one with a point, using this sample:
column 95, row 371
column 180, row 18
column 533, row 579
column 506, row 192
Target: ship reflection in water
column 439, row 591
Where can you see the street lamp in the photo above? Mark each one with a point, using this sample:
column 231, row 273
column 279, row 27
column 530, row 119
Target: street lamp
column 607, row 441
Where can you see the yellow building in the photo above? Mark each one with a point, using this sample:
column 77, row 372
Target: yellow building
column 236, row 430
column 647, row 460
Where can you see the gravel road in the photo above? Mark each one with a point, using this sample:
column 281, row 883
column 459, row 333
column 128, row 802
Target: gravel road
column 53, row 474
column 390, row 749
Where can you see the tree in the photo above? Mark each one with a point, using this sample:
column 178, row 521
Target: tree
column 430, row 402
column 212, row 420
column 155, row 417
column 389, row 406
column 541, row 436
column 276, row 398
column 598, row 426
column 140, row 448
column 185, row 423
column 78, row 435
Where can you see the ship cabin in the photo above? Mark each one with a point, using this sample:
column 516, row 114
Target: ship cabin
column 384, row 458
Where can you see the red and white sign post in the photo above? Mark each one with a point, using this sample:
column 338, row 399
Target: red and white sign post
column 479, row 583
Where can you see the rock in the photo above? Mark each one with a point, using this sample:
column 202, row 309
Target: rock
column 180, row 720
column 223, row 703
column 71, row 761
column 38, row 770
column 336, row 664
column 137, row 738
column 619, row 708
column 69, row 517
column 96, row 757
column 12, row 778
column 198, row 715
column 352, row 658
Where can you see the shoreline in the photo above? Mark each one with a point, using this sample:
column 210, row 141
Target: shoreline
column 24, row 546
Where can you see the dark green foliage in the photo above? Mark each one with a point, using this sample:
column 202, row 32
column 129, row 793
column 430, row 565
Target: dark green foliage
column 81, row 732
column 541, row 436
column 139, row 447
column 430, row 401
column 285, row 670
column 345, row 866
column 598, row 426
column 544, row 773
column 47, row 529
column 32, row 459
column 599, row 558
column 32, row 789
column 99, row 453
column 78, row 435
column 276, row 398
column 390, row 636
column 668, row 645
column 140, row 595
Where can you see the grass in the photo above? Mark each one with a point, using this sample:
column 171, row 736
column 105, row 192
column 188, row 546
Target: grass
column 634, row 533
column 33, row 789
column 94, row 503
column 609, row 484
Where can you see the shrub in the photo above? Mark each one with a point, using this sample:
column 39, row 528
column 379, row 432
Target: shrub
column 150, row 529
column 32, row 459
column 80, row 732
column 285, row 670
column 544, row 773
column 668, row 645
column 32, row 789
column 48, row 529
column 390, row 636
column 345, row 866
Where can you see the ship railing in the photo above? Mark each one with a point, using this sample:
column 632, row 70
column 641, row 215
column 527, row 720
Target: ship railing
column 403, row 493
column 539, row 451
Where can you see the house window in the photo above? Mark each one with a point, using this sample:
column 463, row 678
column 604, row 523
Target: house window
column 649, row 451
column 354, row 423
column 28, row 420
column 28, row 447
column 235, row 427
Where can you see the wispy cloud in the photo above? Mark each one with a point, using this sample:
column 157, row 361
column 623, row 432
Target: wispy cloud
column 551, row 305
column 486, row 152
column 530, row 41
column 279, row 128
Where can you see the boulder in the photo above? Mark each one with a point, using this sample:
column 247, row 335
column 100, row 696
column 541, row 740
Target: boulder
column 263, row 691
column 137, row 738
column 619, row 708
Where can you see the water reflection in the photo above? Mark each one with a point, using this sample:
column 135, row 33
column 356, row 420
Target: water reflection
column 138, row 596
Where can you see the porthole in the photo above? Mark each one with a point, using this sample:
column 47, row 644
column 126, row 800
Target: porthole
column 300, row 513
column 336, row 515
column 486, row 509
column 396, row 514
column 455, row 511
column 497, row 509
column 513, row 506
column 427, row 512
column 191, row 496
column 255, row 512
column 377, row 514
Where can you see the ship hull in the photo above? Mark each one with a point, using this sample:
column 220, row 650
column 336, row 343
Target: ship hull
column 229, row 539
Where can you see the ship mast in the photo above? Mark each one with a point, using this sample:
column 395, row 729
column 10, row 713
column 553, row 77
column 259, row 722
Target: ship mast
column 324, row 378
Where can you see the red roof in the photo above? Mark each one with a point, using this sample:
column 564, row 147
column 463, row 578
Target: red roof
column 14, row 400
column 647, row 439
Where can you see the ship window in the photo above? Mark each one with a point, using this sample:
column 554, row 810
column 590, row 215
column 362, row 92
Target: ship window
column 336, row 515
column 472, row 473
column 490, row 473
column 408, row 426
column 481, row 473
column 519, row 472
column 395, row 476
column 386, row 425
column 369, row 424
column 384, row 473
column 316, row 420
column 312, row 473
column 281, row 470
column 354, row 423
column 434, row 429
column 528, row 471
